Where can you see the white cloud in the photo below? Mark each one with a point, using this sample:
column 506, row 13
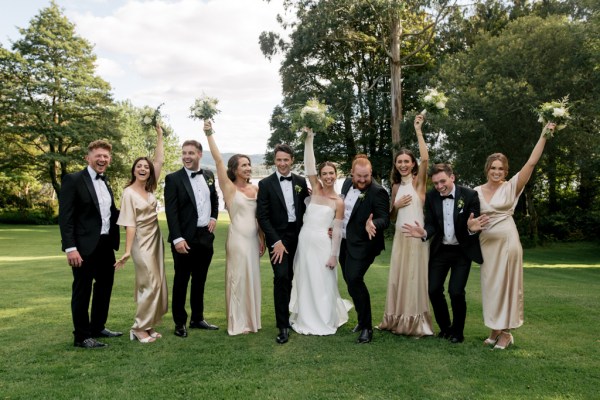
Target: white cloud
column 172, row 51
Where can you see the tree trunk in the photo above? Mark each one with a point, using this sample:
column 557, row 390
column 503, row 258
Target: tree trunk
column 396, row 81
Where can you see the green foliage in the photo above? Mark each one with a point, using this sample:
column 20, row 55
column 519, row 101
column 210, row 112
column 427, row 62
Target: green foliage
column 52, row 104
column 45, row 214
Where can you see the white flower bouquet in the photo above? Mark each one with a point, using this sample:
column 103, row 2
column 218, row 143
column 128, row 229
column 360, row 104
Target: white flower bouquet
column 556, row 111
column 151, row 117
column 314, row 115
column 204, row 108
column 433, row 99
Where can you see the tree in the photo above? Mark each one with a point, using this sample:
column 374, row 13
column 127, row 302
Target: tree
column 497, row 83
column 52, row 103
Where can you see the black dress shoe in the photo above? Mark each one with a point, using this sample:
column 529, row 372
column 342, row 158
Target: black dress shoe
column 89, row 343
column 444, row 335
column 456, row 339
column 107, row 333
column 203, row 325
column 284, row 335
column 357, row 328
column 366, row 335
column 180, row 331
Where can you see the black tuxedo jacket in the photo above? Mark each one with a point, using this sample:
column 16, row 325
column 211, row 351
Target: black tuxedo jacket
column 271, row 211
column 375, row 200
column 180, row 204
column 466, row 201
column 79, row 215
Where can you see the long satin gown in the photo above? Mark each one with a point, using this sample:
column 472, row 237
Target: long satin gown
column 316, row 306
column 147, row 254
column 242, row 280
column 502, row 268
column 407, row 301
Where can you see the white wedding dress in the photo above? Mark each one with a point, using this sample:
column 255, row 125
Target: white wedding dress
column 315, row 303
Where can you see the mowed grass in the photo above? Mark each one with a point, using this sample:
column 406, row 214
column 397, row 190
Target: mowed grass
column 556, row 354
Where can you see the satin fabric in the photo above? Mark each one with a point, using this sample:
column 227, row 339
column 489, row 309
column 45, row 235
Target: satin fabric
column 242, row 283
column 147, row 254
column 502, row 269
column 407, row 301
column 316, row 306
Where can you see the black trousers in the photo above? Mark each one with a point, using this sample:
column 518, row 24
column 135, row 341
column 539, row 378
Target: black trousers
column 193, row 265
column 449, row 259
column 354, row 270
column 283, row 273
column 93, row 279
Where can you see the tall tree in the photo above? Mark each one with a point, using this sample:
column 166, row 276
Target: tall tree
column 52, row 103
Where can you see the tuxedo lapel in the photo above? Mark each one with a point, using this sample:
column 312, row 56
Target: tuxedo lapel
column 457, row 194
column 277, row 188
column 91, row 189
column 183, row 177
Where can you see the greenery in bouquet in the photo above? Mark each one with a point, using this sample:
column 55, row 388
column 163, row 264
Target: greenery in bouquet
column 314, row 115
column 204, row 108
column 151, row 117
column 556, row 111
column 433, row 100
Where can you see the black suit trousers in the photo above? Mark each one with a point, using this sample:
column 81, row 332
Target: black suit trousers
column 449, row 259
column 97, row 271
column 354, row 270
column 283, row 274
column 192, row 265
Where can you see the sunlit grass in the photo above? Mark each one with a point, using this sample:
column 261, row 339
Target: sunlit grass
column 556, row 354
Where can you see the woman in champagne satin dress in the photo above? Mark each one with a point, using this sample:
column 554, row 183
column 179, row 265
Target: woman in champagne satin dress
column 502, row 268
column 407, row 301
column 245, row 241
column 144, row 244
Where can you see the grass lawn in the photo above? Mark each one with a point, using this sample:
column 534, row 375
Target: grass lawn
column 556, row 354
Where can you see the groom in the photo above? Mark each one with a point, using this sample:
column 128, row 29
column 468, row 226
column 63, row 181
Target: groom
column 280, row 209
column 452, row 222
column 366, row 216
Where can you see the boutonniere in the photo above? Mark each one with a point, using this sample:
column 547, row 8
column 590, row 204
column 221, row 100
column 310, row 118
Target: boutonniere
column 298, row 188
column 210, row 181
column 460, row 205
column 362, row 195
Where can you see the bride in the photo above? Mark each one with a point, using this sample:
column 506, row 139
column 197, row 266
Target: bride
column 315, row 304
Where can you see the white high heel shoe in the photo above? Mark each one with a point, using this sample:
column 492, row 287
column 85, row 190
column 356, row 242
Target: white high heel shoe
column 510, row 341
column 134, row 336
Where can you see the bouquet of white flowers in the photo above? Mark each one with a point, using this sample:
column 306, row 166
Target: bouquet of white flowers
column 314, row 115
column 151, row 117
column 433, row 99
column 556, row 111
column 204, row 108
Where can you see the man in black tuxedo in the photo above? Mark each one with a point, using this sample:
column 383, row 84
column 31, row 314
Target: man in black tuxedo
column 192, row 208
column 366, row 216
column 90, row 235
column 452, row 222
column 280, row 209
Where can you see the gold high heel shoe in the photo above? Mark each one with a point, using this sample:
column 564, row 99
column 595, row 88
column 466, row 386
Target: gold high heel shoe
column 134, row 336
column 490, row 341
column 153, row 333
column 510, row 341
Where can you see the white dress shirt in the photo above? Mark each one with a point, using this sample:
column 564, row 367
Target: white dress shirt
column 287, row 188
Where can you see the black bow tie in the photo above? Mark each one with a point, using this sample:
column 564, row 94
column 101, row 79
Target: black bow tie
column 193, row 175
column 450, row 196
column 98, row 176
column 285, row 178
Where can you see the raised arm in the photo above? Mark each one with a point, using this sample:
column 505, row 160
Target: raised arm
column 536, row 153
column 227, row 187
column 159, row 153
column 424, row 155
column 309, row 161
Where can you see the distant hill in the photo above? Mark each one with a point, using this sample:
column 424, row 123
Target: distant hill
column 258, row 168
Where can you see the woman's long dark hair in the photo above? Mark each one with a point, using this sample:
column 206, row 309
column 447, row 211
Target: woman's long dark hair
column 233, row 164
column 151, row 183
column 395, row 176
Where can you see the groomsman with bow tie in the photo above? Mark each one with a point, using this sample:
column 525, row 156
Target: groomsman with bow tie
column 90, row 235
column 279, row 210
column 453, row 223
column 192, row 208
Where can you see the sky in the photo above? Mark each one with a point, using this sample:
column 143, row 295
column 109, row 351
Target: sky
column 173, row 51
